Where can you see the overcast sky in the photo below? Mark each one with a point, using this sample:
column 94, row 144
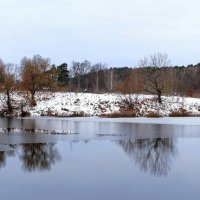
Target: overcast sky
column 117, row 32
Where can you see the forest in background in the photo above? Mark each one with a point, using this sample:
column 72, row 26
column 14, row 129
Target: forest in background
column 153, row 75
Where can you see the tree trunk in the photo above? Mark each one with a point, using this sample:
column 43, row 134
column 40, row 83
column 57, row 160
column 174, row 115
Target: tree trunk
column 159, row 96
column 33, row 102
column 111, row 80
column 10, row 109
column 97, row 82
column 79, row 84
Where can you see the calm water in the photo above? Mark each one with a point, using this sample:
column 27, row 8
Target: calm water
column 103, row 161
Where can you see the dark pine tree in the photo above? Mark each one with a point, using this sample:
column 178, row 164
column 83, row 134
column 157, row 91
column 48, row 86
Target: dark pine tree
column 63, row 74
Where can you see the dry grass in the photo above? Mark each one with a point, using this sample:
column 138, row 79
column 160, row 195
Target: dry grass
column 153, row 115
column 181, row 112
column 120, row 114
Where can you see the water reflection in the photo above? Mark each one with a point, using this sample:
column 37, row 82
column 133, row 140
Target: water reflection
column 154, row 156
column 2, row 159
column 39, row 156
column 33, row 156
column 5, row 152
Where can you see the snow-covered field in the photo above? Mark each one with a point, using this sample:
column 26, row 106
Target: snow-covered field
column 66, row 104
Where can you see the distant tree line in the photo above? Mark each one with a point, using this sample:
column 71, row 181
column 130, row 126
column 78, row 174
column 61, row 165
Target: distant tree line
column 153, row 75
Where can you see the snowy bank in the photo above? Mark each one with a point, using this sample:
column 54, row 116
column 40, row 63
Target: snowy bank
column 66, row 104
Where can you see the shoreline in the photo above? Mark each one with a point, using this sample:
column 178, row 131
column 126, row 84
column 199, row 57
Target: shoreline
column 189, row 121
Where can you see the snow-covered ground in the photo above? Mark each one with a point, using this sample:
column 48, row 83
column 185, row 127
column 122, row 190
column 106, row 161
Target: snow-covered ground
column 66, row 104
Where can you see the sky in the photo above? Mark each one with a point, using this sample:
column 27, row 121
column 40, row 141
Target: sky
column 118, row 32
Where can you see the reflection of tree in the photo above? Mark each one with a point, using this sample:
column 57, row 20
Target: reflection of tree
column 39, row 156
column 2, row 159
column 5, row 154
column 152, row 155
column 12, row 153
column 33, row 156
column 9, row 122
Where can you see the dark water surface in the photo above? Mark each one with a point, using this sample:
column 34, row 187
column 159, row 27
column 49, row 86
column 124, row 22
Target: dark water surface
column 103, row 161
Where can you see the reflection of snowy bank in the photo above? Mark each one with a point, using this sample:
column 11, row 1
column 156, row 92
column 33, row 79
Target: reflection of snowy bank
column 39, row 131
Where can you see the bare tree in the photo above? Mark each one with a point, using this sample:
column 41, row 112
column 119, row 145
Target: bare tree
column 34, row 75
column 153, row 76
column 7, row 82
column 79, row 70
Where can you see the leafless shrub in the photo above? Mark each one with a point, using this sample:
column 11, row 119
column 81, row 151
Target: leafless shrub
column 128, row 102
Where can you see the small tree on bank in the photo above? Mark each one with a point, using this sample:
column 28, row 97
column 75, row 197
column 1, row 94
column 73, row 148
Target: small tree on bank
column 35, row 75
column 7, row 83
